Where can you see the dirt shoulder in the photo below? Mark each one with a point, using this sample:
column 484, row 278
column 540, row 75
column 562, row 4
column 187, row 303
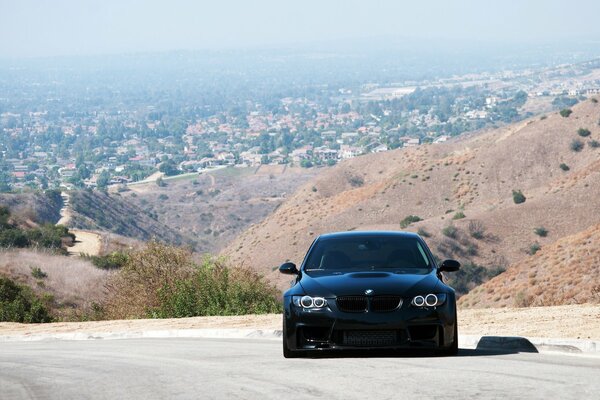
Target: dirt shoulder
column 574, row 321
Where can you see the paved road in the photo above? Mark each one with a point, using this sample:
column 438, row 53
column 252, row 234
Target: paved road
column 255, row 369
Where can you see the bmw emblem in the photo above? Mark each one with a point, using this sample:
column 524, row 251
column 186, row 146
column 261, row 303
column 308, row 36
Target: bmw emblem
column 369, row 291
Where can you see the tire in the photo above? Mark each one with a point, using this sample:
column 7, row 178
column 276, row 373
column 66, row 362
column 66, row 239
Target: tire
column 287, row 353
column 453, row 349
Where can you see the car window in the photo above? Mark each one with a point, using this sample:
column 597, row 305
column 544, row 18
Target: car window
column 368, row 253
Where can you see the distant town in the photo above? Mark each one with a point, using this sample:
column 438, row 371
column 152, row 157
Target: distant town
column 119, row 140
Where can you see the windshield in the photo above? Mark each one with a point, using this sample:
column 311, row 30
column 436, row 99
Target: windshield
column 367, row 253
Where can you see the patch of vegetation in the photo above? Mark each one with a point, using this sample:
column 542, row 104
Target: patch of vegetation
column 518, row 197
column 534, row 248
column 314, row 189
column 576, row 145
column 163, row 197
column 476, row 229
column 18, row 303
column 450, row 231
column 163, row 281
column 409, row 220
column 541, row 231
column 583, row 132
column 356, row 181
column 422, row 232
column 459, row 215
column 45, row 236
column 114, row 260
column 471, row 275
column 594, row 100
column 522, row 299
column 594, row 144
column 566, row 112
column 37, row 273
column 564, row 167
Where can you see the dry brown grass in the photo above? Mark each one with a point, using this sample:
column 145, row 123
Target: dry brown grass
column 74, row 284
column 565, row 272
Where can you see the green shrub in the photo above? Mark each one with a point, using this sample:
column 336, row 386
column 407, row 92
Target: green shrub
column 566, row 112
column 409, row 220
column 37, row 273
column 594, row 144
column 541, row 231
column 576, row 145
column 18, row 303
column 534, row 248
column 450, row 231
column 583, row 132
column 564, row 167
column 594, row 100
column 459, row 215
column 518, row 197
column 163, row 197
column 114, row 260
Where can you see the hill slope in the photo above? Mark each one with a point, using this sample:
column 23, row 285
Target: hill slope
column 565, row 272
column 474, row 175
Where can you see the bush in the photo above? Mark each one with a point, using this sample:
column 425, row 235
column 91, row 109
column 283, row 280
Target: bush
column 162, row 281
column 114, row 260
column 534, row 248
column 450, row 231
column 356, row 181
column 459, row 215
column 422, row 232
column 594, row 144
column 471, row 275
column 566, row 112
column 576, row 145
column 37, row 273
column 476, row 229
column 518, row 197
column 583, row 132
column 564, row 167
column 19, row 304
column 541, row 231
column 594, row 100
column 409, row 220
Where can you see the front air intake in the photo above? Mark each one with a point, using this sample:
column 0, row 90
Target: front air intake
column 352, row 303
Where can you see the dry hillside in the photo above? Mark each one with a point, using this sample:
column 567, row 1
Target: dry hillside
column 565, row 272
column 474, row 175
column 209, row 210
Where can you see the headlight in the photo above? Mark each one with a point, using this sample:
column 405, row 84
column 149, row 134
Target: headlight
column 429, row 300
column 309, row 302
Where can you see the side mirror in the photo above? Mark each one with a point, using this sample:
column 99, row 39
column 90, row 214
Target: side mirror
column 449, row 266
column 288, row 268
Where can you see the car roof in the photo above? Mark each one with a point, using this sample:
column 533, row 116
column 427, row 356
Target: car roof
column 350, row 234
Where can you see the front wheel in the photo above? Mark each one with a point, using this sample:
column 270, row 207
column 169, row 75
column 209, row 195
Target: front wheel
column 287, row 353
column 453, row 349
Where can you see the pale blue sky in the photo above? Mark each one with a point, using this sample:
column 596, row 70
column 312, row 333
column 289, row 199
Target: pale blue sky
column 71, row 27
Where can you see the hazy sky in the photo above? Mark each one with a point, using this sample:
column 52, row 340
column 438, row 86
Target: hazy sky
column 70, row 27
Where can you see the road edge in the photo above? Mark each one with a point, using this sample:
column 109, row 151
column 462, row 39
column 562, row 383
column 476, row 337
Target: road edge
column 481, row 342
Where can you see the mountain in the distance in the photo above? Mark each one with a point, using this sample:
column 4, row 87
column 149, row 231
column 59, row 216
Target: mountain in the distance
column 462, row 191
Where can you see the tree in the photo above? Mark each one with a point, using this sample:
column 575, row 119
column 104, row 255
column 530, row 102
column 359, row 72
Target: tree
column 168, row 168
column 103, row 179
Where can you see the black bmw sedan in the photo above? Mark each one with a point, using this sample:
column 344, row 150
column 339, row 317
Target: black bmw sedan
column 369, row 290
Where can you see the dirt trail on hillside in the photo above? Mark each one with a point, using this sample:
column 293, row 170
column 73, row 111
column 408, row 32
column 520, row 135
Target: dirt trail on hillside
column 86, row 242
column 573, row 321
column 65, row 211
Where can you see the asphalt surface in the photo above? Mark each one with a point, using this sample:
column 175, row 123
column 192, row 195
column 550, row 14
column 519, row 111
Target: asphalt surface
column 255, row 369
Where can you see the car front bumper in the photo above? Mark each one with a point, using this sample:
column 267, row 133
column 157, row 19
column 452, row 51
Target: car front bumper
column 407, row 327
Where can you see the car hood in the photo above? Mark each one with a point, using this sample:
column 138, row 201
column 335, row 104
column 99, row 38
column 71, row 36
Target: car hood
column 380, row 283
